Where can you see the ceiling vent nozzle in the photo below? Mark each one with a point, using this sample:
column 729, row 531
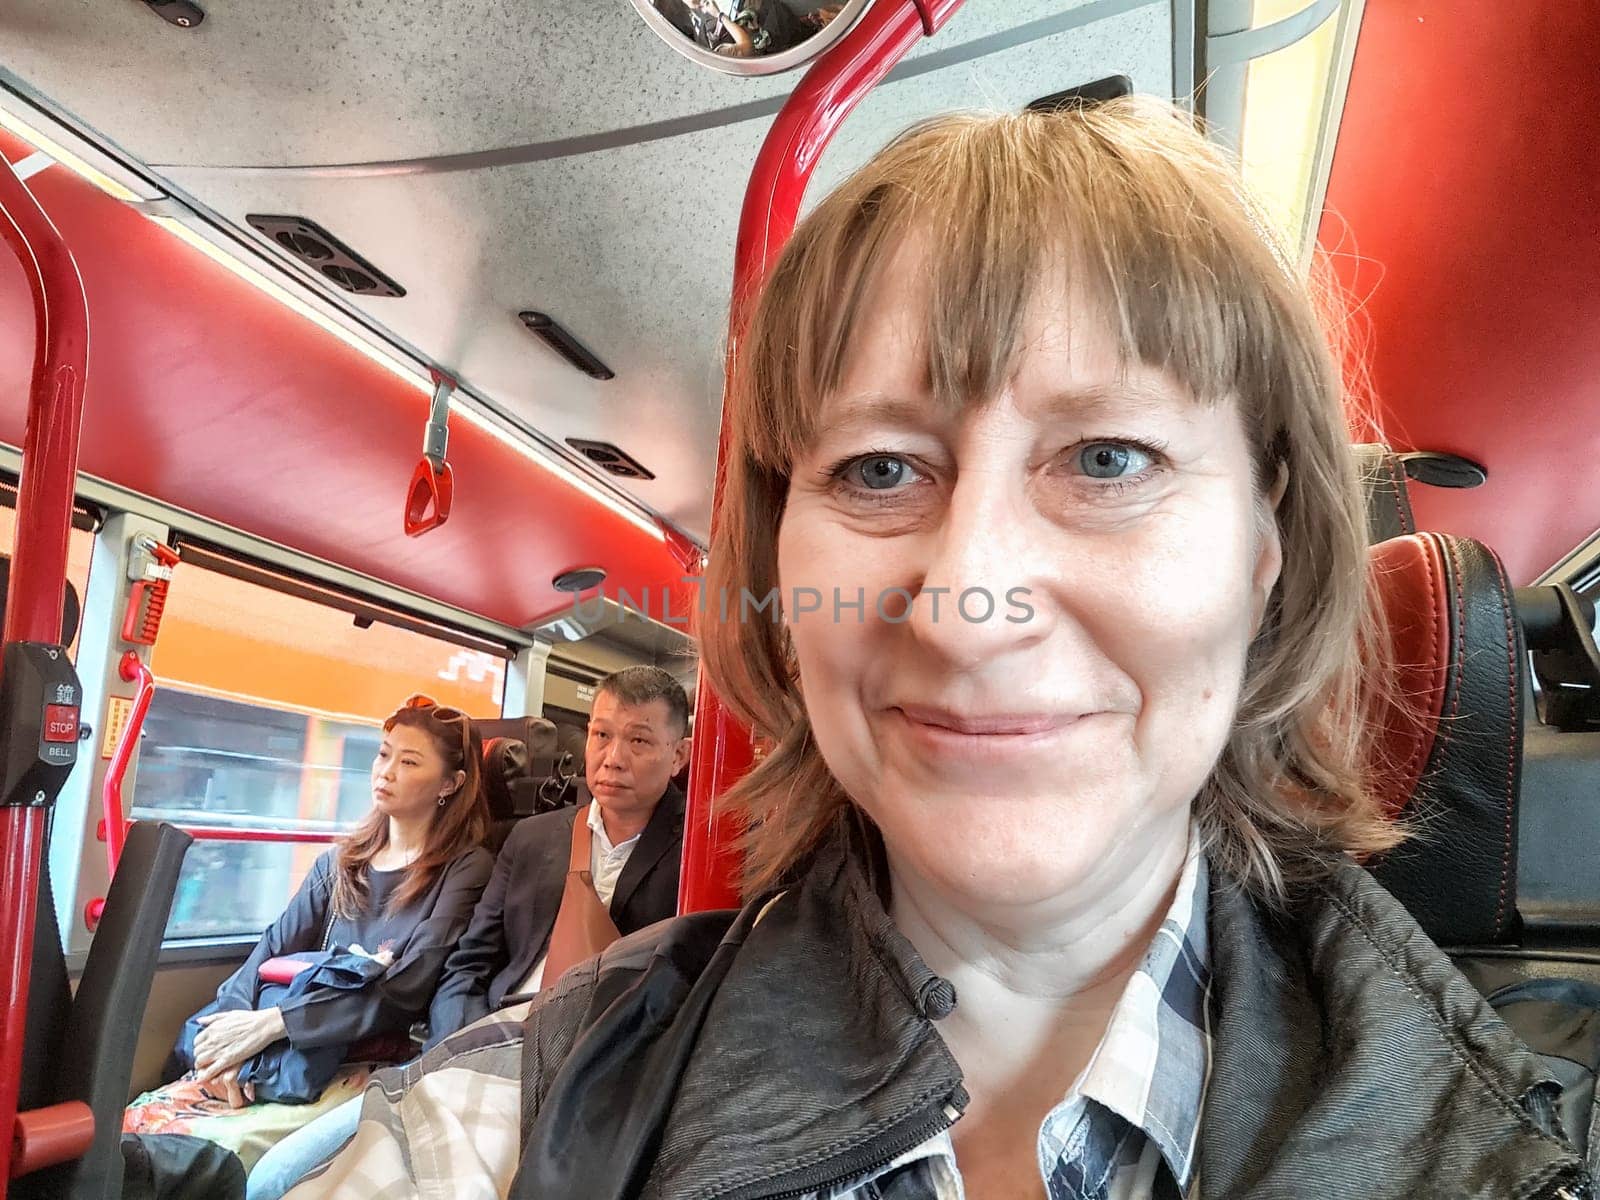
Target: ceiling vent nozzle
column 553, row 334
column 325, row 254
column 181, row 13
column 610, row 457
column 1443, row 470
column 579, row 579
column 1085, row 95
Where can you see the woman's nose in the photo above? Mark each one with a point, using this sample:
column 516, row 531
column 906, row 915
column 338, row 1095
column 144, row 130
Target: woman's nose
column 975, row 600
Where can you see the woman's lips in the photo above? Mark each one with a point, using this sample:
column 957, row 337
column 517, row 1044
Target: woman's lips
column 971, row 735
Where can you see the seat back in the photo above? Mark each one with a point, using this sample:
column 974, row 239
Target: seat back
column 1383, row 479
column 505, row 762
column 519, row 756
column 91, row 1058
column 1451, row 758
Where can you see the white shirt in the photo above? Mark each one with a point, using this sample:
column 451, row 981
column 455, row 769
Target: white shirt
column 605, row 865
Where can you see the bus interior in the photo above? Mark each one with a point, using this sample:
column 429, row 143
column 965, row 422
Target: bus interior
column 315, row 235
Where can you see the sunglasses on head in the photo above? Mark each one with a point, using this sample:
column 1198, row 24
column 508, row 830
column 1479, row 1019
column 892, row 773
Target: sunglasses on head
column 441, row 711
column 444, row 715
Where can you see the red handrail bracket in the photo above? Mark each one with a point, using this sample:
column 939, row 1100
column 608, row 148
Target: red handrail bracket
column 44, row 1137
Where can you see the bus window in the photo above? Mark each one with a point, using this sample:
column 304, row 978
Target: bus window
column 80, row 548
column 266, row 717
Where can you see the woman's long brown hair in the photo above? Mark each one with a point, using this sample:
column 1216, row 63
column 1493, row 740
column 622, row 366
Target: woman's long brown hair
column 458, row 824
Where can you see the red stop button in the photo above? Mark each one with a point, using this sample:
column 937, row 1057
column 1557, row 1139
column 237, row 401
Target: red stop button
column 60, row 723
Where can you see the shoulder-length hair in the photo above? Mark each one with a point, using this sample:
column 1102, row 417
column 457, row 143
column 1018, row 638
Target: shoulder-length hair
column 458, row 824
column 1151, row 223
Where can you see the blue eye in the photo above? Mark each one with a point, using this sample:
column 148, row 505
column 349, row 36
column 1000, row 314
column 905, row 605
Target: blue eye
column 879, row 472
column 1112, row 460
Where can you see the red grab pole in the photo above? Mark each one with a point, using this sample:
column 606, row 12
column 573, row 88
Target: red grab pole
column 813, row 113
column 38, row 575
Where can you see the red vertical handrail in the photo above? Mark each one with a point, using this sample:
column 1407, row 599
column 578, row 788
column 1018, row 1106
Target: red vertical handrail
column 38, row 575
column 132, row 670
column 113, row 820
column 813, row 113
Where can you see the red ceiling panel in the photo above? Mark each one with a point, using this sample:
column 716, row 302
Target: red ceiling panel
column 1465, row 212
column 209, row 395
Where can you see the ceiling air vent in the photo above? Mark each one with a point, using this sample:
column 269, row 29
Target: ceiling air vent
column 326, row 255
column 609, row 457
column 181, row 13
column 553, row 334
column 579, row 579
column 1084, row 95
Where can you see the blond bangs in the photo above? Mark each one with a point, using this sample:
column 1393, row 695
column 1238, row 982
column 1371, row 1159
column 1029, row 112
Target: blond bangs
column 1137, row 215
column 1155, row 251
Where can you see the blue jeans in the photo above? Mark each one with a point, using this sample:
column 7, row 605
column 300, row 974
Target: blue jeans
column 287, row 1163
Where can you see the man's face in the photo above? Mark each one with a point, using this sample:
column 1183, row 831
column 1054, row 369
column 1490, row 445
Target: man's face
column 632, row 754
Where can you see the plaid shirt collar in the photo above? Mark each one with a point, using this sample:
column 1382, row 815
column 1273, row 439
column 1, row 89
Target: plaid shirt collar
column 1150, row 1070
column 1144, row 1087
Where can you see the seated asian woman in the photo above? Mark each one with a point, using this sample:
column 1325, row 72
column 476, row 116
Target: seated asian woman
column 355, row 956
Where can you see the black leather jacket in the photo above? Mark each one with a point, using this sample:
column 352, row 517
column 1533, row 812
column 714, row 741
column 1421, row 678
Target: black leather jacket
column 719, row 1056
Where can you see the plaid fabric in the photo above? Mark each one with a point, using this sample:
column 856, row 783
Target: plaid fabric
column 1129, row 1127
column 1126, row 1131
column 453, row 1133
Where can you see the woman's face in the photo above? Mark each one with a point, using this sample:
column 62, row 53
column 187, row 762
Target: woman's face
column 1054, row 744
column 409, row 775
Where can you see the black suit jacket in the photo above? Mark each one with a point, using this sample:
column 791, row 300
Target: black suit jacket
column 511, row 925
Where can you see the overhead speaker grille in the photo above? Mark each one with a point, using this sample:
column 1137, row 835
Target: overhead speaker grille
column 610, row 457
column 555, row 335
column 325, row 254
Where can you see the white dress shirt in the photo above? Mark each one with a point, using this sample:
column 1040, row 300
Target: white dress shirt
column 605, row 865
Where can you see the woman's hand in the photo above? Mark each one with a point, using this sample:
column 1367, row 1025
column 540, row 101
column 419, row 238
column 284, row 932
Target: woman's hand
column 229, row 1038
column 237, row 1094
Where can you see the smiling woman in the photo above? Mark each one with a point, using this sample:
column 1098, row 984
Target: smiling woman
column 1097, row 356
column 1060, row 901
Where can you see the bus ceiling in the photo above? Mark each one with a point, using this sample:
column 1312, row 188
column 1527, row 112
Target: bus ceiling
column 607, row 210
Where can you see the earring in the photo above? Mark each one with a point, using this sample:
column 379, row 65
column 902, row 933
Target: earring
column 443, row 798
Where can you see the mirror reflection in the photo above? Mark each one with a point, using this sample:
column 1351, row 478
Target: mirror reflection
column 747, row 28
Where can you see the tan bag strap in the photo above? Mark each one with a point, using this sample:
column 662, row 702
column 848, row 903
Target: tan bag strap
column 582, row 837
column 583, row 926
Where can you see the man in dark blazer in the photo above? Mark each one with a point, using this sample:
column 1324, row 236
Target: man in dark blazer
column 637, row 740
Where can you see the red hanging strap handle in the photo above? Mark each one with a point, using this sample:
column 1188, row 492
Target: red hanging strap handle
column 433, row 484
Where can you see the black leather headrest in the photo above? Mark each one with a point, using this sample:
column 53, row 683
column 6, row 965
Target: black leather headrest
column 570, row 742
column 1383, row 479
column 505, row 760
column 70, row 609
column 1456, row 775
